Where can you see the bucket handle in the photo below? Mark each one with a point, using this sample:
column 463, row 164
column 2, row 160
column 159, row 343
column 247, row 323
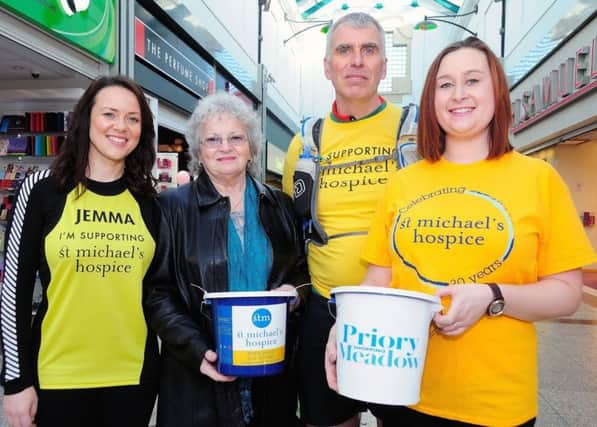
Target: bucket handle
column 206, row 302
column 203, row 302
column 331, row 301
column 293, row 303
column 433, row 328
column 197, row 286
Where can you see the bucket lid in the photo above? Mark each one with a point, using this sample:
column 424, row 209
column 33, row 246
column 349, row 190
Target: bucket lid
column 250, row 294
column 378, row 290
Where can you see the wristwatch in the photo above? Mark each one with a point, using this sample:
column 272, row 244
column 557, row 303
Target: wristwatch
column 496, row 307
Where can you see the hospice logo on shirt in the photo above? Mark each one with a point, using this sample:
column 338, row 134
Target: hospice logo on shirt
column 452, row 235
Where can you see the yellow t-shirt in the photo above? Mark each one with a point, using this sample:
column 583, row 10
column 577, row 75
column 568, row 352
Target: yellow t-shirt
column 98, row 254
column 509, row 220
column 347, row 196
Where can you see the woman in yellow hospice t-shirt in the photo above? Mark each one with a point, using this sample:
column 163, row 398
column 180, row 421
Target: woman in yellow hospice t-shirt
column 492, row 232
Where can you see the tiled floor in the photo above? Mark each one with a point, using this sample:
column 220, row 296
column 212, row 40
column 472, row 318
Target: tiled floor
column 567, row 369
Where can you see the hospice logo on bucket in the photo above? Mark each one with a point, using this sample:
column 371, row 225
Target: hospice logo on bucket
column 258, row 334
column 370, row 347
column 261, row 318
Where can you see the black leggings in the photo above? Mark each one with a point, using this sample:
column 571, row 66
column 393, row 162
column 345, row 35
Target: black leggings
column 125, row 406
column 402, row 416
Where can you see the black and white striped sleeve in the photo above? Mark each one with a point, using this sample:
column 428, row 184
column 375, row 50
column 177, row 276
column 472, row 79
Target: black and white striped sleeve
column 23, row 252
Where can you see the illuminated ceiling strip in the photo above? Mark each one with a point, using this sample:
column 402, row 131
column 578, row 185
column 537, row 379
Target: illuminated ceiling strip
column 314, row 8
column 448, row 5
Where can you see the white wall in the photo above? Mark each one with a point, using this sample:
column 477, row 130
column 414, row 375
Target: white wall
column 240, row 18
column 527, row 22
column 298, row 86
column 283, row 61
column 317, row 93
column 227, row 29
column 425, row 47
column 576, row 164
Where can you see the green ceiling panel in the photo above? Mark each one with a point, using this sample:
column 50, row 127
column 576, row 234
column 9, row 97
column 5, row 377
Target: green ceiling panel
column 307, row 13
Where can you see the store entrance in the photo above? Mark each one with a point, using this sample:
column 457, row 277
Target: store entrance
column 36, row 96
column 173, row 159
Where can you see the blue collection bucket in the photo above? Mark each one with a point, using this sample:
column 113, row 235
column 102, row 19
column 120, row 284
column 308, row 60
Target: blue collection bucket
column 250, row 331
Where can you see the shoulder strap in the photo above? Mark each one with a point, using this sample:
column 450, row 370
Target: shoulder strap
column 306, row 181
column 316, row 133
column 406, row 137
column 310, row 133
column 316, row 231
column 405, row 154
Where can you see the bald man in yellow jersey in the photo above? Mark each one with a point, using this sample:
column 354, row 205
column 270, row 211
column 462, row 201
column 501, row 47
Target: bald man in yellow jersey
column 361, row 125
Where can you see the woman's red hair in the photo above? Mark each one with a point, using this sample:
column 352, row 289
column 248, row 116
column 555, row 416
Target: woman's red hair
column 431, row 139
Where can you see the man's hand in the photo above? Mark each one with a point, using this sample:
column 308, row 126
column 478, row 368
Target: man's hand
column 208, row 368
column 330, row 360
column 20, row 408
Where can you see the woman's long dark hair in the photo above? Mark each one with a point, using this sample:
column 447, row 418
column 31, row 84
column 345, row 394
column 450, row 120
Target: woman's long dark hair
column 70, row 166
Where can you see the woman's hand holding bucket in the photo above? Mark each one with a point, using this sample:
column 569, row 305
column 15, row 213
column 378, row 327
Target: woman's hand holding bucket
column 331, row 354
column 468, row 304
column 208, row 368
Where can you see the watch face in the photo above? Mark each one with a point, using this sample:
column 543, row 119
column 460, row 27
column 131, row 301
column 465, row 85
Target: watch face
column 496, row 308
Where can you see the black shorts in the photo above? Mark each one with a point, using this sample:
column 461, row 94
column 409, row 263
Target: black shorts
column 319, row 405
column 121, row 406
column 399, row 416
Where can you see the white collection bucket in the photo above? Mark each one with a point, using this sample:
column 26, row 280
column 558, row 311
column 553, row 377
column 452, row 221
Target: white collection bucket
column 382, row 336
column 250, row 331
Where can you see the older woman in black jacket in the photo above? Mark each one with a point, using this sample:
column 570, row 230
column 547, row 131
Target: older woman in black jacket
column 224, row 231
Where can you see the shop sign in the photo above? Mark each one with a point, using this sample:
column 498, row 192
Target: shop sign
column 197, row 76
column 89, row 25
column 573, row 78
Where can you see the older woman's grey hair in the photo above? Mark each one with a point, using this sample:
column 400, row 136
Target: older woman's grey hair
column 224, row 103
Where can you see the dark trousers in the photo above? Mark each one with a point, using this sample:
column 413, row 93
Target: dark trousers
column 402, row 416
column 126, row 406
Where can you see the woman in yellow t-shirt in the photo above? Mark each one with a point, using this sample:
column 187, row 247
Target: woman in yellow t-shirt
column 495, row 234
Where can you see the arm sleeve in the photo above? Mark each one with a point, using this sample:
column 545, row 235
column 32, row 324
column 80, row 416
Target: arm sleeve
column 23, row 251
column 164, row 304
column 290, row 163
column 564, row 245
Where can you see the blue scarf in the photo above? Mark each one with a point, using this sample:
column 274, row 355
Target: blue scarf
column 249, row 265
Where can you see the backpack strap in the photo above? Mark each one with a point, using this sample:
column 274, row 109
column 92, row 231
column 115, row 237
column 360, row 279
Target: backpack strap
column 306, row 184
column 310, row 147
column 406, row 138
column 316, row 233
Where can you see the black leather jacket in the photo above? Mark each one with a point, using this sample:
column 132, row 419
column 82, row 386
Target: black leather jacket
column 192, row 252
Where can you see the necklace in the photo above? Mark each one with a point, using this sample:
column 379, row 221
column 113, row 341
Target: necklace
column 237, row 205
